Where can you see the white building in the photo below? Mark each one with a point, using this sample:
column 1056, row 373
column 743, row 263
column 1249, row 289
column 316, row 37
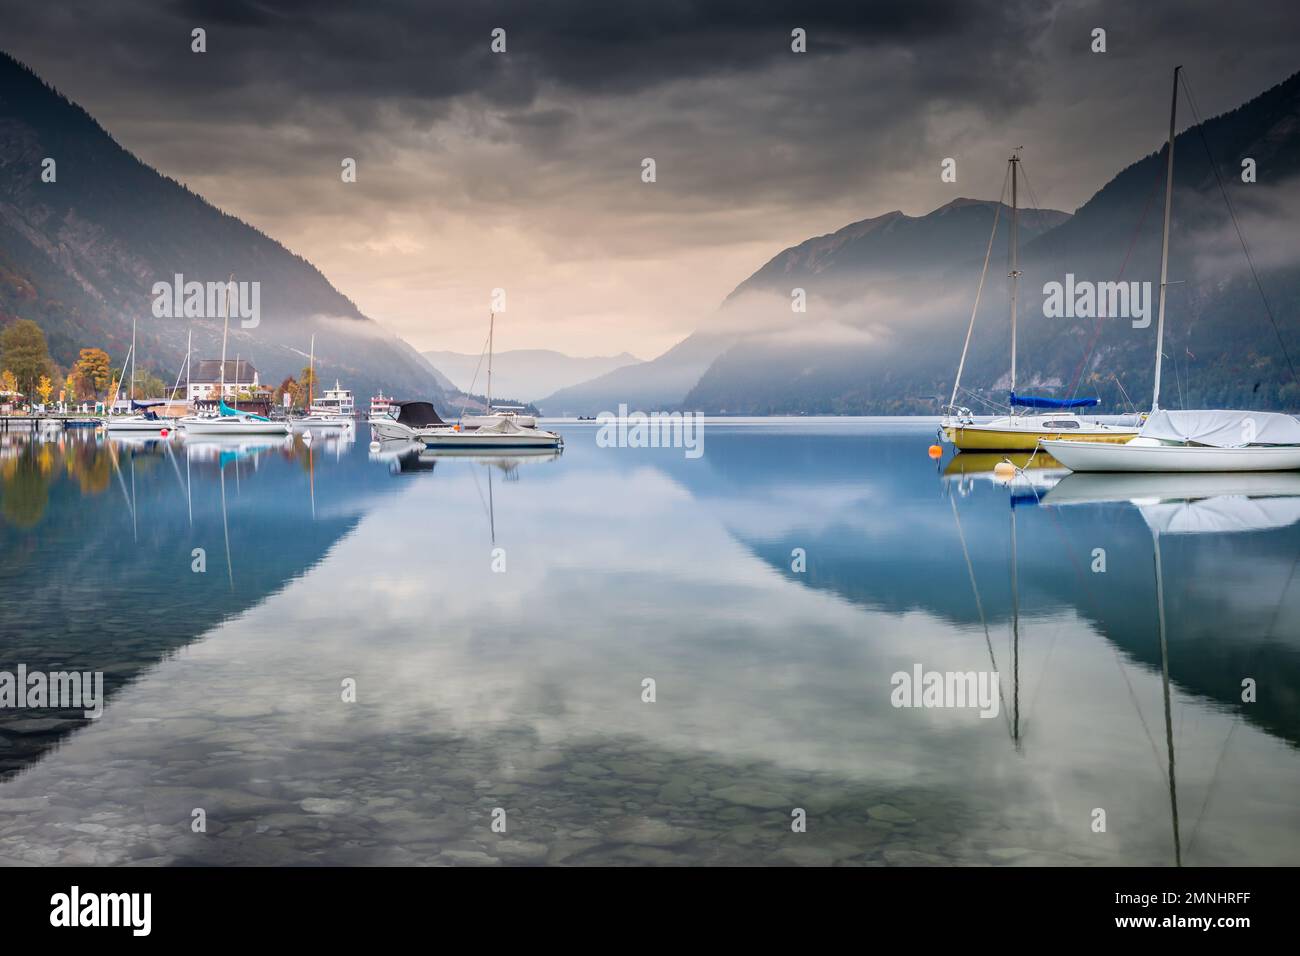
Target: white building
column 205, row 379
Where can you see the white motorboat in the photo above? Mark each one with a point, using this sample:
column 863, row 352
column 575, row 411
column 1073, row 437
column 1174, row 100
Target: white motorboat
column 407, row 421
column 1213, row 440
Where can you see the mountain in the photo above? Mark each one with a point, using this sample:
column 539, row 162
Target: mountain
column 889, row 298
column 80, row 256
column 760, row 352
column 526, row 374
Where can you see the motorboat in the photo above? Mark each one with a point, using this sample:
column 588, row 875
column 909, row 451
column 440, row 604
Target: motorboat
column 407, row 421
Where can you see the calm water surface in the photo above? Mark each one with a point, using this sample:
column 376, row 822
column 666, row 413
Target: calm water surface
column 520, row 690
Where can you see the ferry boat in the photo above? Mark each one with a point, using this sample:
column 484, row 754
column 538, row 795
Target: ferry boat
column 379, row 405
column 336, row 401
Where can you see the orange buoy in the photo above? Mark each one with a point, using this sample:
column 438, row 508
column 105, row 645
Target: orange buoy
column 1004, row 469
column 936, row 451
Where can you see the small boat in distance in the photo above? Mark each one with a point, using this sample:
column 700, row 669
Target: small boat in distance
column 337, row 402
column 1019, row 431
column 1191, row 440
column 379, row 405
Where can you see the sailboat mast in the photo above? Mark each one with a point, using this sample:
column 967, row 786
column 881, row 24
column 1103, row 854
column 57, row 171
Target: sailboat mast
column 131, row 386
column 492, row 321
column 225, row 331
column 1164, row 245
column 311, row 373
column 1014, row 275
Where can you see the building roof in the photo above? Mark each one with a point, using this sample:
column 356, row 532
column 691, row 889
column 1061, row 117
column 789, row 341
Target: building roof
column 209, row 371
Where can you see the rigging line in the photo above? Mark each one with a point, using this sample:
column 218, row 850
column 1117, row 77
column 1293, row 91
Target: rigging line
column 1232, row 213
column 991, row 403
column 1097, row 326
column 979, row 605
column 474, row 381
column 997, row 213
column 1155, row 751
column 1277, row 611
column 1214, row 779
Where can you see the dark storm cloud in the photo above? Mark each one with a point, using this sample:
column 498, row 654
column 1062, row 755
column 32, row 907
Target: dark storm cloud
column 478, row 169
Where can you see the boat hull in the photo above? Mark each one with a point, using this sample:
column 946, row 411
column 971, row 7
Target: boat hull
column 478, row 440
column 994, row 438
column 1086, row 456
column 233, row 426
column 140, row 425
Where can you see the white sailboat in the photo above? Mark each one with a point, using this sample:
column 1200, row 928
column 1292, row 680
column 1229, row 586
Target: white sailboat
column 1194, row 440
column 227, row 420
column 495, row 414
column 1043, row 417
column 142, row 418
column 320, row 419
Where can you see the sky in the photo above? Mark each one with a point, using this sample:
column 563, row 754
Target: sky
column 523, row 170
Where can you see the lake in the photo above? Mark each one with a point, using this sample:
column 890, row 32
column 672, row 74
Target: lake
column 329, row 654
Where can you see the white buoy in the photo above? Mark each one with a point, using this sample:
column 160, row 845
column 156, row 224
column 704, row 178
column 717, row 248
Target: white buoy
column 374, row 446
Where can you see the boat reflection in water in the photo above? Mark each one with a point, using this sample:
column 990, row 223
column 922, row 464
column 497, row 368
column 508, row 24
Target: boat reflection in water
column 1191, row 504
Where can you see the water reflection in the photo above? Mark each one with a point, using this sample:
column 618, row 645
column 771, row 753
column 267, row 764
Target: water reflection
column 521, row 688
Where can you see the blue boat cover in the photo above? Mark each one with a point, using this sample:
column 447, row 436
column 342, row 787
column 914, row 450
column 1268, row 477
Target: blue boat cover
column 227, row 410
column 1034, row 401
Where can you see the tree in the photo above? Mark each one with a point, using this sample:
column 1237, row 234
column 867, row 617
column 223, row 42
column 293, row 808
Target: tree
column 288, row 387
column 149, row 385
column 91, row 373
column 8, row 381
column 23, row 351
column 69, row 392
column 43, row 388
column 306, row 385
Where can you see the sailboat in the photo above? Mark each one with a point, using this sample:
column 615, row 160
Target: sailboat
column 230, row 421
column 1192, row 440
column 495, row 414
column 142, row 418
column 1052, row 417
column 320, row 420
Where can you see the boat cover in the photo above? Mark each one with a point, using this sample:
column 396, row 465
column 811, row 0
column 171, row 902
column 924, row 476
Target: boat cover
column 417, row 414
column 1036, row 401
column 228, row 411
column 1220, row 428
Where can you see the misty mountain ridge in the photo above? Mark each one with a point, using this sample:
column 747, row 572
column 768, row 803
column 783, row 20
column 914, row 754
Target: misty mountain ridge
column 526, row 374
column 888, row 298
column 80, row 255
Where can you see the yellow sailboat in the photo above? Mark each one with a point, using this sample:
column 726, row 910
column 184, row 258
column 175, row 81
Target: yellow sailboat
column 1040, row 417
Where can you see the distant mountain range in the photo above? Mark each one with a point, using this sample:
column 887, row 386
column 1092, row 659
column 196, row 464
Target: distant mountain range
column 888, row 299
column 525, row 374
column 80, row 256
